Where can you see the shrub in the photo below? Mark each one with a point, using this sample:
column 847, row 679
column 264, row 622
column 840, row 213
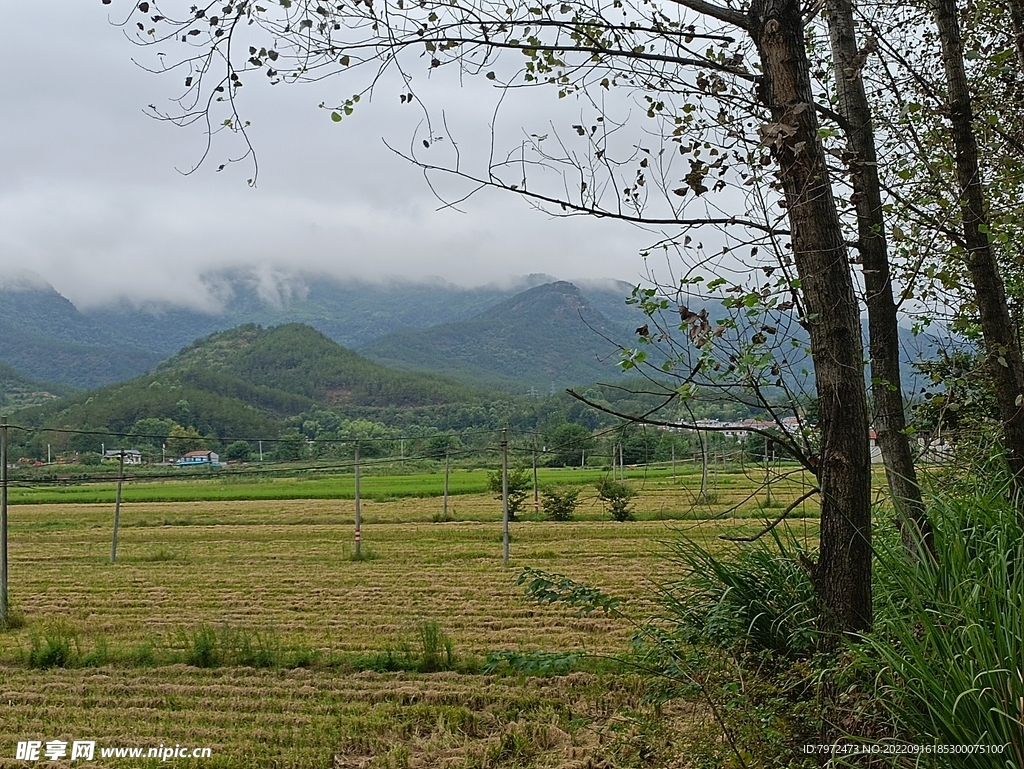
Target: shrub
column 560, row 502
column 519, row 485
column 239, row 451
column 616, row 496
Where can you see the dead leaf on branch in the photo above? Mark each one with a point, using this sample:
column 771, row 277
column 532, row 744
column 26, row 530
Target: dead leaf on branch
column 698, row 326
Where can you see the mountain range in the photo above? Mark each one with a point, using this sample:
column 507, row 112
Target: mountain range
column 550, row 337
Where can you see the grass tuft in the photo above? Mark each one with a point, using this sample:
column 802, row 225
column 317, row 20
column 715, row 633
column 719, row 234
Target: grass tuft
column 56, row 648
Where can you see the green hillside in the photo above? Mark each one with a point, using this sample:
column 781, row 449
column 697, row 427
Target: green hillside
column 246, row 382
column 301, row 361
column 547, row 337
column 43, row 336
column 18, row 391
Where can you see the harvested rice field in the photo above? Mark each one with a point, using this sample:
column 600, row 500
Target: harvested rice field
column 249, row 628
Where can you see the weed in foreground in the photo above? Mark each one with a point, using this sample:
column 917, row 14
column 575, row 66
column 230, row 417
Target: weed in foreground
column 15, row 619
column 56, row 648
column 436, row 648
column 366, row 553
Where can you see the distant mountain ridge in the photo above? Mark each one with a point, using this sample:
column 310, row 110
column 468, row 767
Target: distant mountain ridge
column 547, row 336
column 45, row 337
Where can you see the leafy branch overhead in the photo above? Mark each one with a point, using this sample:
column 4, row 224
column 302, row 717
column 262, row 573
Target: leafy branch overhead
column 545, row 587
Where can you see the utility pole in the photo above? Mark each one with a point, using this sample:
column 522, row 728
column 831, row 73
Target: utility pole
column 3, row 522
column 673, row 460
column 261, row 451
column 536, row 498
column 504, row 494
column 446, row 465
column 401, row 450
column 703, row 469
column 359, row 512
column 117, row 505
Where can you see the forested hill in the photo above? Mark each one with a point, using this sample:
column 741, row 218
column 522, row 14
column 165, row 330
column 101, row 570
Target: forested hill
column 299, row 360
column 248, row 381
column 18, row 391
column 44, row 337
column 547, row 337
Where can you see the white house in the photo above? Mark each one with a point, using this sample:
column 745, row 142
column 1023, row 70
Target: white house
column 194, row 458
column 131, row 456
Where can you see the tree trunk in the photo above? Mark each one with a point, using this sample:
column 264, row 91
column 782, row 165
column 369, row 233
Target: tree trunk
column 1004, row 358
column 883, row 329
column 1017, row 24
column 842, row 576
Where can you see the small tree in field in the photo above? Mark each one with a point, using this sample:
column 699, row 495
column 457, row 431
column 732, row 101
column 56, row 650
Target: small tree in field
column 519, row 485
column 616, row 496
column 239, row 451
column 560, row 502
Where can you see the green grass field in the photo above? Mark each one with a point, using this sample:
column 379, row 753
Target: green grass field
column 381, row 483
column 247, row 627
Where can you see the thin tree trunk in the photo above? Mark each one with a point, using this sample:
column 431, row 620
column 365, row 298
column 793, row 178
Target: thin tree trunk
column 1017, row 23
column 883, row 329
column 1004, row 358
column 842, row 575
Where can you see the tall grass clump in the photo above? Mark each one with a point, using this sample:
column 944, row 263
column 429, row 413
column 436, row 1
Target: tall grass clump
column 736, row 627
column 751, row 600
column 56, row 648
column 947, row 651
column 437, row 652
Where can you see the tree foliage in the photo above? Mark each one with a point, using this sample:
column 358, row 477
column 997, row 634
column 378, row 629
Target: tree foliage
column 617, row 497
column 560, row 502
column 520, row 484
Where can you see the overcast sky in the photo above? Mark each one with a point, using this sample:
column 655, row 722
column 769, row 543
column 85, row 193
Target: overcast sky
column 92, row 200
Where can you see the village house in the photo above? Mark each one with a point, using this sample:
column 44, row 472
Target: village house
column 131, row 456
column 196, row 458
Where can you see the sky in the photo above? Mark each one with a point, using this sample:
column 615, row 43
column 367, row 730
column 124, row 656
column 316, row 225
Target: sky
column 93, row 200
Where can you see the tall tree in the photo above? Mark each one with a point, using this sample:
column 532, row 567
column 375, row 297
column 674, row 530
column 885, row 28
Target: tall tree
column 1001, row 343
column 848, row 60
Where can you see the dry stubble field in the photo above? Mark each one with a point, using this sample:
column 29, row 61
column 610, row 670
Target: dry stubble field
column 279, row 575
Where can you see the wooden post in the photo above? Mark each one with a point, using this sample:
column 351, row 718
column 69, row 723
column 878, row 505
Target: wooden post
column 3, row 522
column 504, row 495
column 117, row 505
column 703, row 469
column 359, row 512
column 536, row 497
column 446, row 465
